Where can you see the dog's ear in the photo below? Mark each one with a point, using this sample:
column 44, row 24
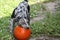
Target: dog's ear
column 26, row 0
column 28, row 7
column 28, row 14
column 13, row 14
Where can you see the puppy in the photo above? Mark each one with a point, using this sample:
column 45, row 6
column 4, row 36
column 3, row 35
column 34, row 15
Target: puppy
column 20, row 16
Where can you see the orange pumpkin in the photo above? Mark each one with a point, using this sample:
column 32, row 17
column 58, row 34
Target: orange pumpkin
column 21, row 33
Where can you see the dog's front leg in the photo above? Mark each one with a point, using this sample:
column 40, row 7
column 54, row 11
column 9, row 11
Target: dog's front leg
column 11, row 27
column 11, row 24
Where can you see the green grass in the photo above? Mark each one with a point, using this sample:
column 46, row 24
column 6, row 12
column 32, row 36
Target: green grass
column 49, row 25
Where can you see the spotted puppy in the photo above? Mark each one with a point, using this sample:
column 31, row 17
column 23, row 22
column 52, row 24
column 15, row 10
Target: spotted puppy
column 20, row 16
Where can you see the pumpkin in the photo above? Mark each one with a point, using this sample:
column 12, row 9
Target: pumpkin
column 21, row 33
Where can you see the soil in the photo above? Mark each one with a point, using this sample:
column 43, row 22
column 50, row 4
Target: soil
column 45, row 37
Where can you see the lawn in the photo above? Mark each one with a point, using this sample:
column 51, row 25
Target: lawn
column 49, row 25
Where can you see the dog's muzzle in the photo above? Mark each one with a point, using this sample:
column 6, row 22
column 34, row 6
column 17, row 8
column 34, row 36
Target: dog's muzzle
column 23, row 22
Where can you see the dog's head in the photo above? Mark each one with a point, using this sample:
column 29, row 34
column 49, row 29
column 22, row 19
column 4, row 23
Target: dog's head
column 23, row 20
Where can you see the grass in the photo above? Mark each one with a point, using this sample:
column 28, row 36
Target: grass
column 49, row 25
